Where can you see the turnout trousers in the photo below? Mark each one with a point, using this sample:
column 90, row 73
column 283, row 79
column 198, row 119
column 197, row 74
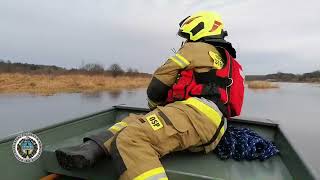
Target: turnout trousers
column 136, row 143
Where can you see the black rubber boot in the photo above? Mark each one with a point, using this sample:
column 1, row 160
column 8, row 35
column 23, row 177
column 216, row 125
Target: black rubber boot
column 81, row 156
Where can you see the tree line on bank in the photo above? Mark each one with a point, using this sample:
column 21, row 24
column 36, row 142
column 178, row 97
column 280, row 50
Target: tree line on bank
column 117, row 70
column 88, row 69
column 287, row 77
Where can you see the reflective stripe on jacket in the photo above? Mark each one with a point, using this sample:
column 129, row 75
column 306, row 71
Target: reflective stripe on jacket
column 192, row 55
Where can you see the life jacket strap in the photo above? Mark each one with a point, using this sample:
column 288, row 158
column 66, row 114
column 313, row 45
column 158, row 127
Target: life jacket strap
column 223, row 123
column 211, row 77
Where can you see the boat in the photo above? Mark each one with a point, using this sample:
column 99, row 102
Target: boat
column 179, row 166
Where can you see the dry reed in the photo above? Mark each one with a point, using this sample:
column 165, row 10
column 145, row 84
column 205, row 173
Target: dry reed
column 51, row 84
column 262, row 85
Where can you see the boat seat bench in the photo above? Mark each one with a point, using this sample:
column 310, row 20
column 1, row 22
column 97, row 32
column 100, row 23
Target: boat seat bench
column 180, row 165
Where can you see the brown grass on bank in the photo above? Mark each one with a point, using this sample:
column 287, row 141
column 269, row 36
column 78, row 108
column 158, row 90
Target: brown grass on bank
column 51, row 84
column 261, row 85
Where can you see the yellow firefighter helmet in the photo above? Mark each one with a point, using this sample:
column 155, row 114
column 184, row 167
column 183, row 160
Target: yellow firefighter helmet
column 202, row 24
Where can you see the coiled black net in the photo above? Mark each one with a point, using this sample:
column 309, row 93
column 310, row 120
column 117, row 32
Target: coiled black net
column 244, row 144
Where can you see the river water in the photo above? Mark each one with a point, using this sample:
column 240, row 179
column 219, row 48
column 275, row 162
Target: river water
column 294, row 105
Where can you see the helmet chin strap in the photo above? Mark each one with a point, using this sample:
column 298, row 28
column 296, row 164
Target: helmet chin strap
column 224, row 34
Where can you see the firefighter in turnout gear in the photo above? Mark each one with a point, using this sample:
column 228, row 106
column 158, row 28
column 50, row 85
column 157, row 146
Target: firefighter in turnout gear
column 177, row 122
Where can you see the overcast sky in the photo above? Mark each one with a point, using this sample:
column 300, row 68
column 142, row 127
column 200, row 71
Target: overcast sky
column 269, row 35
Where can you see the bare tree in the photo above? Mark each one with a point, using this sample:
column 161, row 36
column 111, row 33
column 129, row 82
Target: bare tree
column 92, row 67
column 116, row 70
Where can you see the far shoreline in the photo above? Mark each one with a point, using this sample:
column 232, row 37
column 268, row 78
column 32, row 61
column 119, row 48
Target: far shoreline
column 44, row 84
column 262, row 85
column 51, row 84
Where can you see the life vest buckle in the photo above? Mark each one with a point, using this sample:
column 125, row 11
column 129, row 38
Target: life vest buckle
column 230, row 82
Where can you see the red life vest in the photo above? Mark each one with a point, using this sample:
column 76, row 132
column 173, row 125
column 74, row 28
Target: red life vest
column 225, row 86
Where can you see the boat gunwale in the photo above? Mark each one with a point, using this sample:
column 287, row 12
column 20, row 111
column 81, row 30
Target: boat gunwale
column 247, row 120
column 238, row 119
column 299, row 154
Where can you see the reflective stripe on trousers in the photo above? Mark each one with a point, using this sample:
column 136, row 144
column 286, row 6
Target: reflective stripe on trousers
column 153, row 174
column 151, row 104
column 118, row 126
column 209, row 109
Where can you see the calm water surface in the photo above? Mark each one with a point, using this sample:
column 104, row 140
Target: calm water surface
column 295, row 106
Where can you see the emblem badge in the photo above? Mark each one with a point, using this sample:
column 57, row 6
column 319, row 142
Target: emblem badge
column 27, row 147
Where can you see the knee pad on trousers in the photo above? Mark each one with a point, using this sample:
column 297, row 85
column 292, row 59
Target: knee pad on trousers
column 100, row 138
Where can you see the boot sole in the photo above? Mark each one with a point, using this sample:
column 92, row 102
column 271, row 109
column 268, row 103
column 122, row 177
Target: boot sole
column 69, row 161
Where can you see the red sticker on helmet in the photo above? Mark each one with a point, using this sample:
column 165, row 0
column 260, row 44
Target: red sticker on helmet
column 215, row 26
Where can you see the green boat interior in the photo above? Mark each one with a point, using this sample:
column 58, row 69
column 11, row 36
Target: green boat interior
column 181, row 165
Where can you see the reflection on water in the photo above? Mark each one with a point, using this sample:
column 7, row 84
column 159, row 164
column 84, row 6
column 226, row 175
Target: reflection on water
column 98, row 95
column 92, row 95
column 115, row 94
column 295, row 106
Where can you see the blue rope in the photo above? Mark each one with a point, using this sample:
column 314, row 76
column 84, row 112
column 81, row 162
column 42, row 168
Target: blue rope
column 244, row 144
